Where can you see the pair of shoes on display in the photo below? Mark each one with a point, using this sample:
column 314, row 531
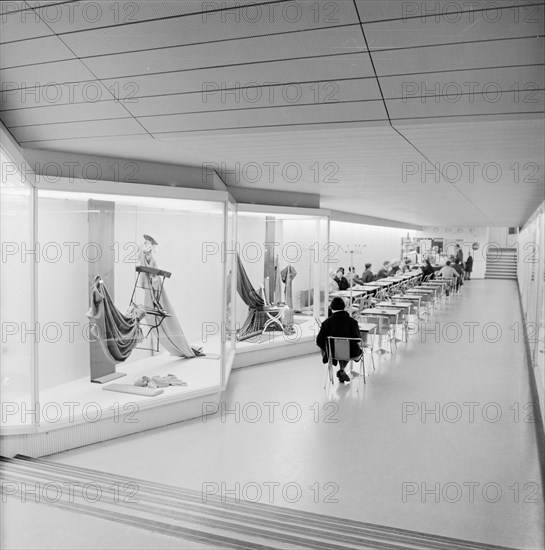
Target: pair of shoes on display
column 342, row 376
column 159, row 381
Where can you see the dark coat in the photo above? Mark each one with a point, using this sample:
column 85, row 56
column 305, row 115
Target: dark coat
column 382, row 273
column 343, row 283
column 469, row 264
column 367, row 276
column 339, row 324
column 428, row 270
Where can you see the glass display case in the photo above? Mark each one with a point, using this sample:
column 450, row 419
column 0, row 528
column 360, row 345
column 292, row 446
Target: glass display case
column 17, row 384
column 127, row 290
column 282, row 268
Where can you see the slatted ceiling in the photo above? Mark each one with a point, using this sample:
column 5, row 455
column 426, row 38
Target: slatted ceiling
column 335, row 113
column 369, row 153
column 55, row 114
column 523, row 21
column 328, row 92
column 249, row 50
column 196, row 29
column 479, row 105
column 63, row 71
column 460, row 57
column 13, row 5
column 113, row 12
column 21, row 25
column 473, row 83
column 69, row 130
column 312, row 70
column 45, row 97
column 36, row 51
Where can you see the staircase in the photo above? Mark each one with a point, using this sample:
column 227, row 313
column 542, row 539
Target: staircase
column 216, row 521
column 501, row 263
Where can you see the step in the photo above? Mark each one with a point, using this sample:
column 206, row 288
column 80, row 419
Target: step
column 210, row 519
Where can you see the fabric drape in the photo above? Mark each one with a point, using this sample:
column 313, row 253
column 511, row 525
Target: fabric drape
column 277, row 283
column 118, row 334
column 245, row 289
column 288, row 274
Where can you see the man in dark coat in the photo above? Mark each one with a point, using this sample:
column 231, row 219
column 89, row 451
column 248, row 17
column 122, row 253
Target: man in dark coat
column 339, row 324
column 469, row 267
column 367, row 276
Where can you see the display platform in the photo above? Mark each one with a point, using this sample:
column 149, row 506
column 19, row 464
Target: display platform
column 275, row 345
column 80, row 401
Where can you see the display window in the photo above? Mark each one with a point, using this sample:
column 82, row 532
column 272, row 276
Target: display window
column 17, row 388
column 282, row 274
column 132, row 303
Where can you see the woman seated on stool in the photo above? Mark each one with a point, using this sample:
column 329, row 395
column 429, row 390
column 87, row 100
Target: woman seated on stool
column 342, row 325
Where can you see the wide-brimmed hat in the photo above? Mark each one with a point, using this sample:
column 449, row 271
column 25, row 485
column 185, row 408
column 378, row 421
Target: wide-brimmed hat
column 150, row 239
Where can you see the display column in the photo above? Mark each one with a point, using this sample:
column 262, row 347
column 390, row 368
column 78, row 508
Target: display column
column 101, row 261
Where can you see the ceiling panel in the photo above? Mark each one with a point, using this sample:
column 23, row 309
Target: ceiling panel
column 460, row 57
column 67, row 112
column 466, row 86
column 13, row 5
column 196, row 29
column 319, row 42
column 90, row 15
column 21, row 25
column 59, row 72
column 524, row 21
column 477, row 105
column 36, row 51
column 328, row 92
column 380, row 10
column 371, row 110
column 58, row 94
column 77, row 129
column 285, row 72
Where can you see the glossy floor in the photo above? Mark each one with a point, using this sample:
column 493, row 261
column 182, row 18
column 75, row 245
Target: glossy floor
column 441, row 439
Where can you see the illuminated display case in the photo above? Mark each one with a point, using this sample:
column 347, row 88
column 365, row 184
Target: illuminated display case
column 127, row 290
column 283, row 256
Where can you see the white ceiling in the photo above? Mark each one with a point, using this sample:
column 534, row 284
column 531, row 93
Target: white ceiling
column 385, row 108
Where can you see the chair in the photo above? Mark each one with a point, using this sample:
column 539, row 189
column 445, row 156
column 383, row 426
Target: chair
column 338, row 348
column 384, row 328
column 360, row 304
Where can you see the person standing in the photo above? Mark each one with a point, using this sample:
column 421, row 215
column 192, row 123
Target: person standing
column 469, row 267
column 459, row 254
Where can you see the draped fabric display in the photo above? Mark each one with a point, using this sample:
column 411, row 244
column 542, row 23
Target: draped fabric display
column 245, row 289
column 277, row 283
column 255, row 322
column 171, row 335
column 118, row 334
column 288, row 274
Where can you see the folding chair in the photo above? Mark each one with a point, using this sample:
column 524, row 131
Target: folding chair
column 338, row 348
column 384, row 328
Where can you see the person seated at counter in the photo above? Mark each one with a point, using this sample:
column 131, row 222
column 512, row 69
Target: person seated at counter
column 395, row 267
column 352, row 277
column 406, row 265
column 340, row 324
column 427, row 269
column 341, row 280
column 367, row 276
column 448, row 272
column 460, row 270
column 384, row 271
column 333, row 285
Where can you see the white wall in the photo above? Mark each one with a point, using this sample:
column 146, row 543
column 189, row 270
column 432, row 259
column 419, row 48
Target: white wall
column 376, row 244
column 465, row 237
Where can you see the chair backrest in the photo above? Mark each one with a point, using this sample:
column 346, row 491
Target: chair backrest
column 339, row 347
column 382, row 322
